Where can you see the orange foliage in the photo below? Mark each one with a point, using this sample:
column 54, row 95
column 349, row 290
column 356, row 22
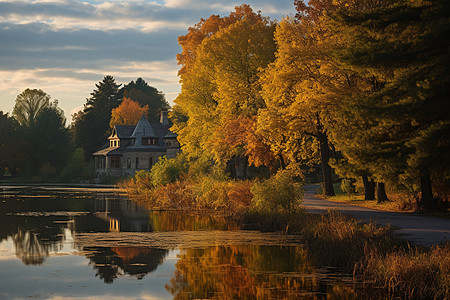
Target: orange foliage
column 206, row 28
column 127, row 113
column 128, row 253
column 240, row 134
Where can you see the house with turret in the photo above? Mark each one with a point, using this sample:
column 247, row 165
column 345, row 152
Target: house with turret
column 137, row 147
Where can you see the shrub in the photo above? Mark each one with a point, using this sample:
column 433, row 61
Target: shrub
column 280, row 192
column 168, row 170
column 347, row 186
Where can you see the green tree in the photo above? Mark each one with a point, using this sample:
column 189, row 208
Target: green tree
column 48, row 143
column 145, row 94
column 403, row 45
column 29, row 104
column 90, row 126
column 11, row 150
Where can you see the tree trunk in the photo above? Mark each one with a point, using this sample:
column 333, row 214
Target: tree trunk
column 281, row 160
column 326, row 169
column 244, row 175
column 231, row 168
column 369, row 188
column 381, row 193
column 426, row 200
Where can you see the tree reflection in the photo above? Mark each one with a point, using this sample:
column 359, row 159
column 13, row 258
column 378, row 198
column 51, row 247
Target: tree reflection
column 34, row 239
column 178, row 221
column 110, row 263
column 246, row 272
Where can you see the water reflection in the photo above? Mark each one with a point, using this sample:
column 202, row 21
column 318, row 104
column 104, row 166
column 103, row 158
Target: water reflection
column 110, row 263
column 38, row 223
column 251, row 272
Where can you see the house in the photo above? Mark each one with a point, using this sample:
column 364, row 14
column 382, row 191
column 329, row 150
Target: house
column 136, row 147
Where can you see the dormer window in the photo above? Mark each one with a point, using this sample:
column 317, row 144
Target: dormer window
column 149, row 141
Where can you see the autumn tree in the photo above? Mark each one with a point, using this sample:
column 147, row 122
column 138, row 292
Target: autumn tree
column 90, row 126
column 297, row 109
column 220, row 69
column 127, row 113
column 145, row 95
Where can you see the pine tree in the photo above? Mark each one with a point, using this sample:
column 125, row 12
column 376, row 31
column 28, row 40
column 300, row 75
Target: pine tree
column 402, row 45
column 91, row 125
column 145, row 94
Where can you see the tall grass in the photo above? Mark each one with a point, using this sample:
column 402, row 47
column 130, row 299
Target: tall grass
column 408, row 274
column 372, row 253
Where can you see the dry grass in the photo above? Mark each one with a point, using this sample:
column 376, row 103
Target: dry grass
column 409, row 274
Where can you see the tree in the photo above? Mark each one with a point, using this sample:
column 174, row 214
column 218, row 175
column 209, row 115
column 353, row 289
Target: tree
column 11, row 150
column 296, row 114
column 48, row 140
column 90, row 126
column 29, row 104
column 127, row 113
column 221, row 62
column 145, row 95
column 403, row 45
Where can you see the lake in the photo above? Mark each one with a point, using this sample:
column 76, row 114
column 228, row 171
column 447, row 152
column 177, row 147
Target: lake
column 93, row 243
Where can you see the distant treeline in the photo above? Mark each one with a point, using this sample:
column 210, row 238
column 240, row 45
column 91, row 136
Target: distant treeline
column 36, row 144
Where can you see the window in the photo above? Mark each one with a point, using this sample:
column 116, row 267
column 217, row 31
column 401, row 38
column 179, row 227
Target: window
column 168, row 144
column 150, row 162
column 100, row 162
column 128, row 163
column 137, row 162
column 115, row 162
column 149, row 141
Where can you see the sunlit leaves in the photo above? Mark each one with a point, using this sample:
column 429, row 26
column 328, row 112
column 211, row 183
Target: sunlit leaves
column 127, row 113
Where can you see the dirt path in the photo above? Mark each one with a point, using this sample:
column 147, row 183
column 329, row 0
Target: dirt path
column 415, row 228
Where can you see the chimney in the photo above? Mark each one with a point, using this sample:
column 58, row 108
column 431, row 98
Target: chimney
column 164, row 119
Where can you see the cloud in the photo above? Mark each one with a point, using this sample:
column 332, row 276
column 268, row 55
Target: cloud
column 34, row 45
column 65, row 47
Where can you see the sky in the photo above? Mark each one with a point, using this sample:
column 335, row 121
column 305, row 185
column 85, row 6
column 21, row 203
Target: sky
column 65, row 47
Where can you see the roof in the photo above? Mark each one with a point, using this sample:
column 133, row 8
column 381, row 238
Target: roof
column 109, row 151
column 124, row 131
column 143, row 129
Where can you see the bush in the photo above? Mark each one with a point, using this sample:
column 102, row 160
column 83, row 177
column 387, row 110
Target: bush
column 280, row 192
column 168, row 170
column 77, row 169
column 347, row 186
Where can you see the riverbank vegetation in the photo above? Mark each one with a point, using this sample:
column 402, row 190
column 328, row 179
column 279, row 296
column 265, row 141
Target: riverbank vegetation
column 375, row 257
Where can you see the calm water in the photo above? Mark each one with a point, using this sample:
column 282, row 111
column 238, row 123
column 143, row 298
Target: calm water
column 63, row 243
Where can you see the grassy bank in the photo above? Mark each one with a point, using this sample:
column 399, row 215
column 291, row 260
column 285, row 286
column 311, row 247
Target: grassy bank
column 379, row 261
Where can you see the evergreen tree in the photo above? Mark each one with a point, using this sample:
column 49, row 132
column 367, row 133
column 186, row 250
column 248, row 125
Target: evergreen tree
column 91, row 125
column 405, row 46
column 145, row 94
